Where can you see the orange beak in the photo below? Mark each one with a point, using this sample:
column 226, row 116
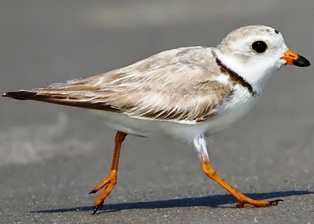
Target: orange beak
column 293, row 58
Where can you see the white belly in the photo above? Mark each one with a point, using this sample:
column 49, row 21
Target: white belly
column 241, row 102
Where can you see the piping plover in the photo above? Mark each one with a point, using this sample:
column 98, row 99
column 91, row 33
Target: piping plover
column 188, row 93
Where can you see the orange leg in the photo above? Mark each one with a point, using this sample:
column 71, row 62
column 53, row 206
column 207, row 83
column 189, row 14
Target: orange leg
column 242, row 199
column 109, row 182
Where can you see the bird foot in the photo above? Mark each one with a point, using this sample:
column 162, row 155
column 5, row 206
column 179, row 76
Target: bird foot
column 108, row 183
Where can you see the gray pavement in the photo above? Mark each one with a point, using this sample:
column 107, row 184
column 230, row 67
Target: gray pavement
column 51, row 156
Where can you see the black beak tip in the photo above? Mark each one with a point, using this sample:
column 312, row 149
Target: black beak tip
column 301, row 62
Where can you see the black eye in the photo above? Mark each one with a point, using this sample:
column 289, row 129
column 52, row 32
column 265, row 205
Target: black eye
column 259, row 46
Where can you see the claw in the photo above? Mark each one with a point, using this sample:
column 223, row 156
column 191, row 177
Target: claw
column 97, row 207
column 275, row 202
column 92, row 191
column 240, row 205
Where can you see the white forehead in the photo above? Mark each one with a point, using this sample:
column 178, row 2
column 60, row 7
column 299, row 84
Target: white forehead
column 249, row 34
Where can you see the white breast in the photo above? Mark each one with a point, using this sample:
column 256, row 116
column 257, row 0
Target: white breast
column 236, row 107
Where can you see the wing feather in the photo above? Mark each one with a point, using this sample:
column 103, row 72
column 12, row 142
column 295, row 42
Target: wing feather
column 179, row 84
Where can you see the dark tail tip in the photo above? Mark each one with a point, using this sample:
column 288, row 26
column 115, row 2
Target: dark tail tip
column 20, row 95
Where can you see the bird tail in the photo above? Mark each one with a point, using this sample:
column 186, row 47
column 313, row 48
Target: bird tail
column 67, row 98
column 21, row 95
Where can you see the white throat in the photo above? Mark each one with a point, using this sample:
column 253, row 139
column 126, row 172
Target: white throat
column 256, row 74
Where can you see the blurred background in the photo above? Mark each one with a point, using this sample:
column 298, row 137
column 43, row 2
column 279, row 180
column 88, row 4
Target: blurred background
column 51, row 149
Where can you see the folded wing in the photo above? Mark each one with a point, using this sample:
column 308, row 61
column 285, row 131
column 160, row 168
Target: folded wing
column 179, row 84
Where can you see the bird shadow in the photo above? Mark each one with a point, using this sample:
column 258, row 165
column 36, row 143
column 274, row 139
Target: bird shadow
column 212, row 201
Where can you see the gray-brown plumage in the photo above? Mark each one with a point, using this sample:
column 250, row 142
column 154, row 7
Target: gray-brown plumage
column 174, row 85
